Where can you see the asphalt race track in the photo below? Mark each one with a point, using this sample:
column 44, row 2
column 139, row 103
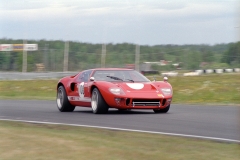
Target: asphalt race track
column 221, row 122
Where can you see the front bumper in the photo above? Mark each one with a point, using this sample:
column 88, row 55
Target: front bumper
column 137, row 103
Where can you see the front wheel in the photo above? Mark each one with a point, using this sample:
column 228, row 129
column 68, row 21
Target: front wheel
column 164, row 110
column 98, row 103
column 62, row 101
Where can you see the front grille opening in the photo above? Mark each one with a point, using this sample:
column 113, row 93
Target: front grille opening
column 145, row 102
column 127, row 101
column 163, row 102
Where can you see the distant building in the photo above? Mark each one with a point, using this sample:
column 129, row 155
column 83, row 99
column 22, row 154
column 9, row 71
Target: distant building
column 160, row 63
column 130, row 66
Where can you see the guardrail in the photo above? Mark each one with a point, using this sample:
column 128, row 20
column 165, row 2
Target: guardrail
column 33, row 75
column 58, row 75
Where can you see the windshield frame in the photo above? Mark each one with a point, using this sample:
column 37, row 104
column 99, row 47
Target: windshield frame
column 119, row 76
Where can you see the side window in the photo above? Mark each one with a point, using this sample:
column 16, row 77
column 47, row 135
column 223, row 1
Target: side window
column 84, row 77
column 80, row 77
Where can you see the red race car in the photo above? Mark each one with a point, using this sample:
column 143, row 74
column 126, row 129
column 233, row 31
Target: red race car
column 105, row 88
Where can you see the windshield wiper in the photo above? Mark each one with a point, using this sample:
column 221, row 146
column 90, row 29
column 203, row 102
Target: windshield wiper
column 115, row 78
column 130, row 80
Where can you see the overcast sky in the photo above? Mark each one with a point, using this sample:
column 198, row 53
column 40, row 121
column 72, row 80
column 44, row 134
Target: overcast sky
column 146, row 22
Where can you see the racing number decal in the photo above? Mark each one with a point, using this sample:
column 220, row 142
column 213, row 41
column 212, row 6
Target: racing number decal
column 81, row 90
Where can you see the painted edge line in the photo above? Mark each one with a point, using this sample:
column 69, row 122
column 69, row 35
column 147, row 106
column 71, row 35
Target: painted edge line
column 129, row 130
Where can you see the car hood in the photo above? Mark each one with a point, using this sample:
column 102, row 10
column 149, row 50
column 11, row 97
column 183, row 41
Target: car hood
column 139, row 87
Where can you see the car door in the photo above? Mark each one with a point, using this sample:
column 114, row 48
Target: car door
column 84, row 88
column 79, row 94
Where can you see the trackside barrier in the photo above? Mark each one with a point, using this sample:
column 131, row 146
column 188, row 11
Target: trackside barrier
column 199, row 71
column 236, row 69
column 191, row 74
column 209, row 71
column 34, row 75
column 218, row 70
column 170, row 74
column 47, row 75
column 228, row 70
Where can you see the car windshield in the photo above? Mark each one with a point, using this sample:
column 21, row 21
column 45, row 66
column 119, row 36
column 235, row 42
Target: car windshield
column 119, row 75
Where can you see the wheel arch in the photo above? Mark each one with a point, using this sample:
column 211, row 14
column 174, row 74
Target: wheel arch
column 91, row 90
column 60, row 84
column 63, row 103
column 100, row 105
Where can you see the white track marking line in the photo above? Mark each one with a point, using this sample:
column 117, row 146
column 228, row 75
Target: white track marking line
column 129, row 130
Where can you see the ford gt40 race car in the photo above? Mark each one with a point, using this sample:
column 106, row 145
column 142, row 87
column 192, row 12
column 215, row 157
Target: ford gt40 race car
column 119, row 88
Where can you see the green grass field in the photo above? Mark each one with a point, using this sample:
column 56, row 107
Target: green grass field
column 25, row 141
column 215, row 89
column 211, row 89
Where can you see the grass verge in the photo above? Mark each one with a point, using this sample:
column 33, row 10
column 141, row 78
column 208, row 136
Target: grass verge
column 26, row 141
column 215, row 88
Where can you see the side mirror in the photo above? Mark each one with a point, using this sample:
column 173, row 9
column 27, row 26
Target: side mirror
column 92, row 78
column 165, row 79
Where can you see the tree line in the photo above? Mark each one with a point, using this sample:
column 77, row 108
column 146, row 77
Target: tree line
column 87, row 55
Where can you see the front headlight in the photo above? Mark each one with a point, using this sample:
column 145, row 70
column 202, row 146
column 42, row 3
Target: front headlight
column 166, row 91
column 116, row 90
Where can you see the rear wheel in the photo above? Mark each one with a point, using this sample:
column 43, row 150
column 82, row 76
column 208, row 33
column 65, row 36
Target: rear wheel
column 164, row 110
column 98, row 103
column 62, row 101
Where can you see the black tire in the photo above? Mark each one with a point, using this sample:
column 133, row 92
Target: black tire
column 164, row 110
column 62, row 101
column 99, row 106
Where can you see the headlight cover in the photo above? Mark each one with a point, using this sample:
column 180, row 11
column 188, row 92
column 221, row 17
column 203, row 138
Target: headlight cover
column 116, row 91
column 166, row 91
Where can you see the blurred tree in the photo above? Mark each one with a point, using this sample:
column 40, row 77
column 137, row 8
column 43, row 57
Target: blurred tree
column 232, row 55
column 84, row 55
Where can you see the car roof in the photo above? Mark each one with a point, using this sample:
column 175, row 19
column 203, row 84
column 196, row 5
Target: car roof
column 106, row 69
column 109, row 69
